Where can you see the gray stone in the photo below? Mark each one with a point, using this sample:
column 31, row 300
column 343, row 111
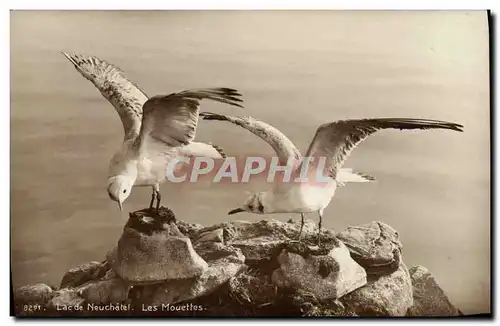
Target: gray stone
column 251, row 290
column 428, row 297
column 387, row 295
column 330, row 274
column 259, row 240
column 375, row 246
column 33, row 294
column 67, row 300
column 152, row 251
column 190, row 230
column 81, row 274
column 216, row 235
column 103, row 292
column 225, row 265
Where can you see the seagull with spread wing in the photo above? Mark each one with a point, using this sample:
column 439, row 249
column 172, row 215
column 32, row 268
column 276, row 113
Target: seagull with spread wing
column 157, row 129
column 334, row 142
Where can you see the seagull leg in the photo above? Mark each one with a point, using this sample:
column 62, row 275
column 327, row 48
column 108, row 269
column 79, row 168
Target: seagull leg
column 301, row 226
column 320, row 214
column 158, row 200
column 153, row 197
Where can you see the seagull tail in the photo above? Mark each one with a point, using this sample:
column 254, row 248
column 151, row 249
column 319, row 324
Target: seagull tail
column 219, row 150
column 202, row 149
column 348, row 175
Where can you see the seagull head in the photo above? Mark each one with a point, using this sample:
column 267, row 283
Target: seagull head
column 255, row 203
column 119, row 188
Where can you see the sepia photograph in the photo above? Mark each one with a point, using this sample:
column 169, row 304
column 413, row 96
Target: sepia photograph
column 250, row 163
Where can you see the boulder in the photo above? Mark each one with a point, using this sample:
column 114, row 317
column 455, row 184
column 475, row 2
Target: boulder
column 190, row 230
column 387, row 295
column 35, row 294
column 428, row 297
column 67, row 300
column 296, row 302
column 250, row 290
column 259, row 240
column 105, row 291
column 224, row 264
column 215, row 235
column 152, row 249
column 375, row 246
column 81, row 274
column 326, row 273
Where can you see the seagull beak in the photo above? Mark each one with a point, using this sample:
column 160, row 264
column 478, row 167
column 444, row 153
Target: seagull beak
column 236, row 210
column 120, row 205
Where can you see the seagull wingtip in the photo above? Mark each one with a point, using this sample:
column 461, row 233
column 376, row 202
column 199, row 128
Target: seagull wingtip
column 458, row 127
column 69, row 57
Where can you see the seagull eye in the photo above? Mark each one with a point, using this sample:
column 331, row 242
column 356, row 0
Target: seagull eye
column 124, row 190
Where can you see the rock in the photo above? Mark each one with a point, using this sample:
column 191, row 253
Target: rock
column 428, row 297
column 216, row 235
column 67, row 299
column 296, row 302
column 250, row 290
column 81, row 274
column 328, row 273
column 190, row 230
column 106, row 291
column 387, row 295
column 35, row 294
column 244, row 269
column 226, row 264
column 152, row 249
column 259, row 240
column 375, row 246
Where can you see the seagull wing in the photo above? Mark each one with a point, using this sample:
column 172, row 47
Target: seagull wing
column 123, row 94
column 283, row 146
column 336, row 140
column 171, row 120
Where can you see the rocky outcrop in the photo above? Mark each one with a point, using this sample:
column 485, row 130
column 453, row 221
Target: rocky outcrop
column 329, row 274
column 387, row 295
column 161, row 266
column 32, row 296
column 81, row 274
column 375, row 246
column 428, row 297
column 153, row 250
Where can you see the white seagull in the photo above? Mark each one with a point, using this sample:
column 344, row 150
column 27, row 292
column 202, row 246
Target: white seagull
column 334, row 142
column 157, row 129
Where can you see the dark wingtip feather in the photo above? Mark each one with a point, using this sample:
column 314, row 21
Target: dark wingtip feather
column 70, row 57
column 228, row 90
column 221, row 94
column 408, row 123
column 213, row 116
column 365, row 176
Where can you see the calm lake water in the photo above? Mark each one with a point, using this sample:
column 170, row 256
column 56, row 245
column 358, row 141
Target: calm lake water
column 296, row 70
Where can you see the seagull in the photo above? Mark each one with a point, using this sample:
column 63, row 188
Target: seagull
column 157, row 129
column 333, row 141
